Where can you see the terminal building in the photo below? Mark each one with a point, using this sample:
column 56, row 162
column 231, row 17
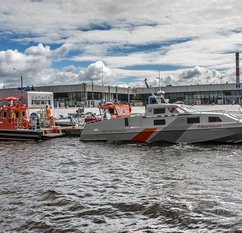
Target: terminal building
column 79, row 95
column 92, row 95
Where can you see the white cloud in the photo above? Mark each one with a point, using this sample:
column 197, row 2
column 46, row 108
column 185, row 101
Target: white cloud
column 38, row 50
column 31, row 65
column 98, row 73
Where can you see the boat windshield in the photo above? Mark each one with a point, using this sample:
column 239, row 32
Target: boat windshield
column 185, row 109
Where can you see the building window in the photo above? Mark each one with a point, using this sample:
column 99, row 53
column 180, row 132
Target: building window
column 193, row 120
column 40, row 102
column 160, row 122
column 5, row 114
column 159, row 110
column 214, row 119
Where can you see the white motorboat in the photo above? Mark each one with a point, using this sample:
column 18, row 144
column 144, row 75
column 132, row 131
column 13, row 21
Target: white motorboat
column 174, row 123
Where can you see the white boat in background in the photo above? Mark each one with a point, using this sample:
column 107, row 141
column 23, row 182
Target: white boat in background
column 167, row 122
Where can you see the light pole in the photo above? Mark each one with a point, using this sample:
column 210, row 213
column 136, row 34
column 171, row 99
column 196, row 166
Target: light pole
column 159, row 80
column 102, row 100
column 222, row 96
column 128, row 95
column 92, row 95
column 92, row 91
column 21, row 76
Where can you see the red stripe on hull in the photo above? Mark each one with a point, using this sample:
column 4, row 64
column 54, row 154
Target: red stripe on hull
column 143, row 135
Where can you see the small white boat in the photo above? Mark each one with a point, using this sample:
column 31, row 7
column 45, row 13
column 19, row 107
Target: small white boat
column 174, row 123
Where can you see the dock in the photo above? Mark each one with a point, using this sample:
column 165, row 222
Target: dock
column 72, row 131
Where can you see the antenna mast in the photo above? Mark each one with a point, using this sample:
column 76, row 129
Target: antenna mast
column 102, row 77
column 147, row 85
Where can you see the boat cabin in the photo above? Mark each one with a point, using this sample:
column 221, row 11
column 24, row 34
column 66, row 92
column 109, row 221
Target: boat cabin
column 115, row 110
column 13, row 116
column 167, row 109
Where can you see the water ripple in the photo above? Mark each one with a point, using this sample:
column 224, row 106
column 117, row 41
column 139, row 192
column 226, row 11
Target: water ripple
column 65, row 185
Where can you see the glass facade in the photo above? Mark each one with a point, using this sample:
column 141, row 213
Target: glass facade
column 76, row 99
column 203, row 97
column 77, row 95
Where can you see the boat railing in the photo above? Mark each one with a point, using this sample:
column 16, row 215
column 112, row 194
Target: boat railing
column 34, row 124
column 20, row 123
column 236, row 114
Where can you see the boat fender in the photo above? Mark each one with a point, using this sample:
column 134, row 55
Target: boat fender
column 25, row 124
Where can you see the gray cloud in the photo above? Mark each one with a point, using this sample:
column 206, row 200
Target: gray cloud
column 190, row 73
column 63, row 50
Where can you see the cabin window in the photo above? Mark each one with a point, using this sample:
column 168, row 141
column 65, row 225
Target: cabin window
column 23, row 113
column 159, row 110
column 160, row 122
column 126, row 121
column 214, row 119
column 5, row 114
column 172, row 110
column 111, row 110
column 193, row 120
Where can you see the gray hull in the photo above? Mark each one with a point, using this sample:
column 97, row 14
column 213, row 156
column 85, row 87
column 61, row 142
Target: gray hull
column 158, row 124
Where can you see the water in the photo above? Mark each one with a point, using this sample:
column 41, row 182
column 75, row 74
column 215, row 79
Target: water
column 65, row 185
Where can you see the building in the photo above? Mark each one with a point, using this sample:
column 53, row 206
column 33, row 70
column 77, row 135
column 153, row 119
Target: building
column 91, row 95
column 32, row 99
column 198, row 94
column 84, row 94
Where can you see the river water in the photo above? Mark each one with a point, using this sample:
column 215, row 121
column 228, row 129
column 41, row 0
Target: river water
column 65, row 185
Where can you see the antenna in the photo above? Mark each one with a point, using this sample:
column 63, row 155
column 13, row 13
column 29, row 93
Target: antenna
column 102, row 76
column 147, row 85
column 159, row 96
column 159, row 79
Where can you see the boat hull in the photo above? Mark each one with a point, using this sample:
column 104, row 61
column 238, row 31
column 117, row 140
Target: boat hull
column 120, row 130
column 171, row 137
column 20, row 135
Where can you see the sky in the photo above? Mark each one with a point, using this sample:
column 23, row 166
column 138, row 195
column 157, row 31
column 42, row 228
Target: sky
column 119, row 43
